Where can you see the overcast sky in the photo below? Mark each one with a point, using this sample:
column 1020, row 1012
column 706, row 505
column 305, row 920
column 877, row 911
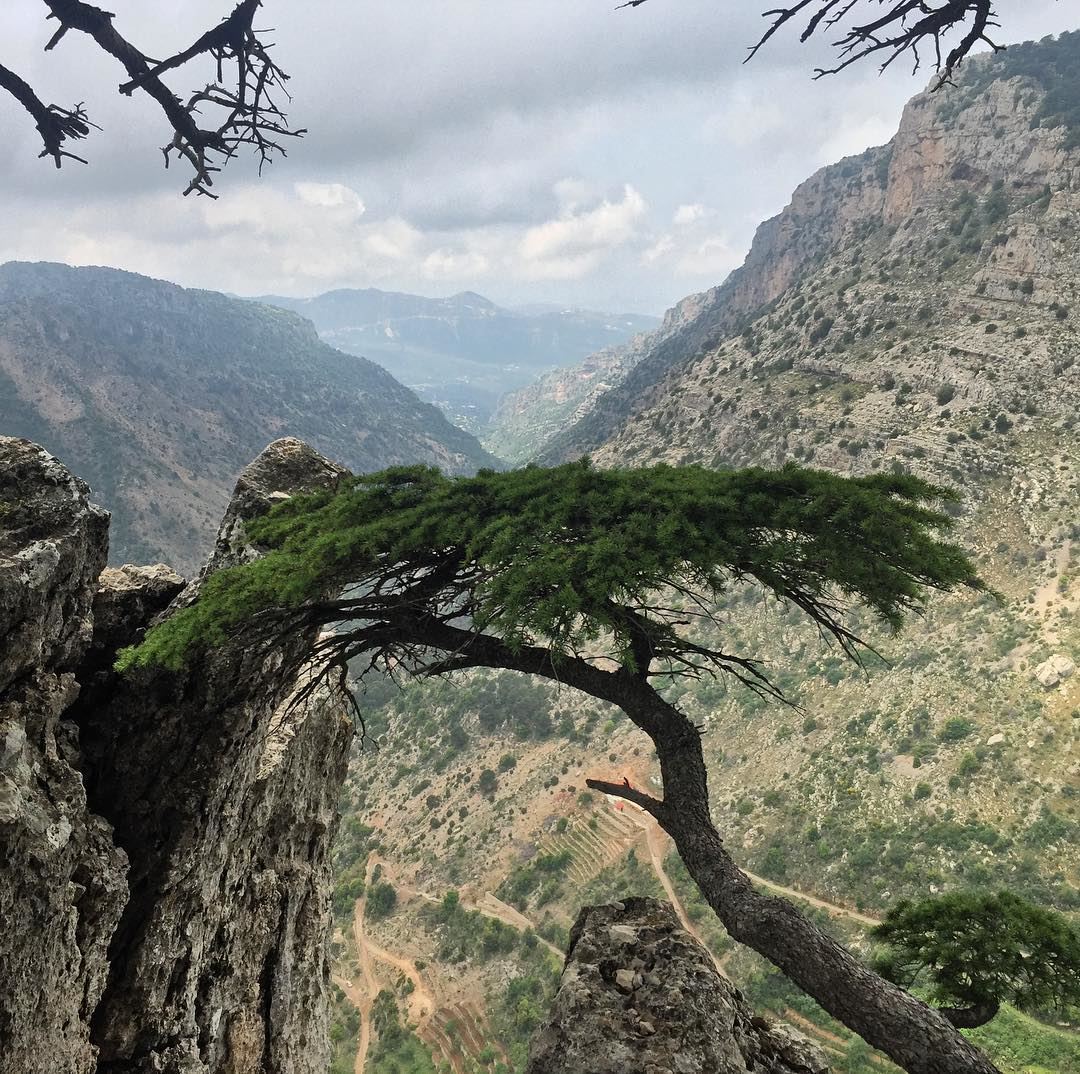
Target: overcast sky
column 533, row 150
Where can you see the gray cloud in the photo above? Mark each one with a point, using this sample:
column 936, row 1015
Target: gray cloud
column 462, row 129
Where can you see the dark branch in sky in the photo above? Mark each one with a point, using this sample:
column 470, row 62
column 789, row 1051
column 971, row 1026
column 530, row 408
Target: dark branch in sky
column 244, row 97
column 903, row 27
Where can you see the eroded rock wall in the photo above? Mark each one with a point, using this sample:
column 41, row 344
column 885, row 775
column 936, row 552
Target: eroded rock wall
column 62, row 879
column 224, row 799
column 164, row 838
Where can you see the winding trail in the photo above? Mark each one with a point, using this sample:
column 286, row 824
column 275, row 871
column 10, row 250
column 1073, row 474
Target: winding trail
column 430, row 1020
column 371, row 985
column 658, row 841
column 424, row 1011
column 421, row 1000
column 831, row 908
column 490, row 905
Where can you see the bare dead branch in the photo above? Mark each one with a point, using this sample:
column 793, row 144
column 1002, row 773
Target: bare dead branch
column 56, row 125
column 651, row 805
column 245, row 100
column 901, row 29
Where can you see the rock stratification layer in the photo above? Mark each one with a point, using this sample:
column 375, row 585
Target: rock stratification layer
column 640, row 996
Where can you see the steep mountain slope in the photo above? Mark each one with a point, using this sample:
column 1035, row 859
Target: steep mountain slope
column 935, row 334
column 1009, row 122
column 158, row 395
column 912, row 309
column 527, row 418
column 464, row 352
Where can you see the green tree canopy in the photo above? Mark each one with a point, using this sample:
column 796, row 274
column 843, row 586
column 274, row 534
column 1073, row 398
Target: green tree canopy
column 566, row 573
column 571, row 554
column 976, row 951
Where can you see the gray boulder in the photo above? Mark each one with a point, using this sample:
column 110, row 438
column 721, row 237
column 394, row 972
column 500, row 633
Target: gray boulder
column 639, row 995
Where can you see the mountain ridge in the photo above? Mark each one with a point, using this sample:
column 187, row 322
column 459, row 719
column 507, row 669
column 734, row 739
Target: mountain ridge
column 463, row 352
column 880, row 187
column 157, row 394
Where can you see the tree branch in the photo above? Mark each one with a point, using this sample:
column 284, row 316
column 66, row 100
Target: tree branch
column 651, row 805
column 903, row 27
column 55, row 124
column 251, row 117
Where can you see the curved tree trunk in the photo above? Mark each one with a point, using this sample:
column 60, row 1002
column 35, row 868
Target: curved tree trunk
column 914, row 1035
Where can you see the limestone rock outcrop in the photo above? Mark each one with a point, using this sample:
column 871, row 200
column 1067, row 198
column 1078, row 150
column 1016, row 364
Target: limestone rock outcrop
column 639, row 995
column 164, row 837
column 1055, row 671
column 62, row 880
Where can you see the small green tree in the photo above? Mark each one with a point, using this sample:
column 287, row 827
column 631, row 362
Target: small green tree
column 381, row 900
column 975, row 952
column 542, row 571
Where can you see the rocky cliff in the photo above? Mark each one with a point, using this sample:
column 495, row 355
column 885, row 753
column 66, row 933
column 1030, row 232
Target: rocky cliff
column 903, row 212
column 639, row 995
column 62, row 877
column 164, row 839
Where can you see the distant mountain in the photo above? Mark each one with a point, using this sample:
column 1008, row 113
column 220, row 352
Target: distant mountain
column 527, row 418
column 159, row 395
column 462, row 353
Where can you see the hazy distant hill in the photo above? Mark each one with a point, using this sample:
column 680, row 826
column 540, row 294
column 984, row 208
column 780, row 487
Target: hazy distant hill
column 464, row 352
column 159, row 395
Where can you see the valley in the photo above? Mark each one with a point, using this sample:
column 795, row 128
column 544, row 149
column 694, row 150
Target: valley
column 463, row 353
column 899, row 317
column 161, row 402
column 396, row 684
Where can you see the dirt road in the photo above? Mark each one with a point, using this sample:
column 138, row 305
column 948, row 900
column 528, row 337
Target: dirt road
column 370, row 987
column 491, row 906
column 831, row 908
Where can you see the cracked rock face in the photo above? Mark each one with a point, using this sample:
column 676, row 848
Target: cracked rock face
column 164, row 838
column 62, row 880
column 640, row 996
column 226, row 802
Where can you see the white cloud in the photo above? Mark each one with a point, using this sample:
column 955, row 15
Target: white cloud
column 688, row 214
column 330, row 196
column 659, row 250
column 439, row 141
column 693, row 248
column 576, row 242
column 713, row 256
column 459, row 265
column 854, row 134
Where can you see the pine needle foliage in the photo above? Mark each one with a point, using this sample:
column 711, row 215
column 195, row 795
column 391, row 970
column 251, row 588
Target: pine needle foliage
column 978, row 950
column 571, row 554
